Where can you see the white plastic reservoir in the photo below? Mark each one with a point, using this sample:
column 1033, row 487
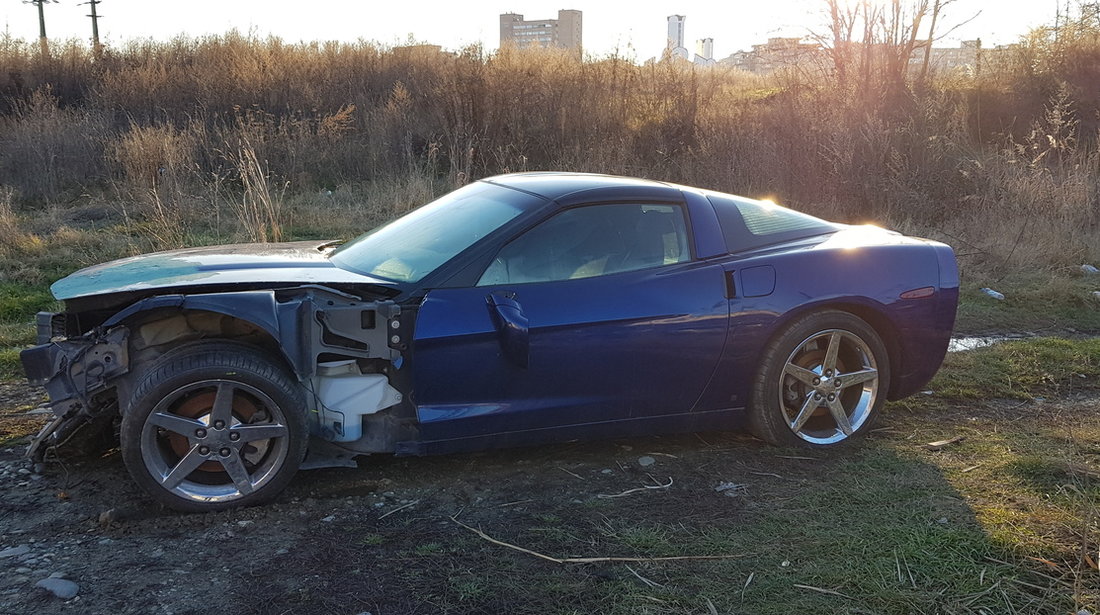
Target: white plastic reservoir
column 343, row 396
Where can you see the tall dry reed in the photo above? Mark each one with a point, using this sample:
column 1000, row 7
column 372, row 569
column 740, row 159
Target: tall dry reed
column 177, row 131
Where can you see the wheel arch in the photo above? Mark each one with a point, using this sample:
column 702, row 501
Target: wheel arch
column 864, row 309
column 252, row 315
column 162, row 323
column 157, row 328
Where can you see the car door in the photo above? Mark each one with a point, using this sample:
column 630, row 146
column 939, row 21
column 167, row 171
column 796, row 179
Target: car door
column 596, row 314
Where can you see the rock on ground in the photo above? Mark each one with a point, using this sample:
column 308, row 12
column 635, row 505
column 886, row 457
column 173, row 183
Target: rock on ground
column 62, row 588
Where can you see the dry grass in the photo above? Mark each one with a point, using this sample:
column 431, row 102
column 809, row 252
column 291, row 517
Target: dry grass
column 260, row 206
column 236, row 137
column 10, row 234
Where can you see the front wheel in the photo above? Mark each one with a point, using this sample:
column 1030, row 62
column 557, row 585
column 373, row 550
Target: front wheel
column 214, row 425
column 822, row 382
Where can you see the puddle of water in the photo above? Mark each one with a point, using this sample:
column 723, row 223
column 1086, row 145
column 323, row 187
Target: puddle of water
column 960, row 344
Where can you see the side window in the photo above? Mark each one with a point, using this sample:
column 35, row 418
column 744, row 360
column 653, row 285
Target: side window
column 593, row 240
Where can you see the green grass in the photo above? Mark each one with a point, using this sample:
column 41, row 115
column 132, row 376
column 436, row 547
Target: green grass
column 371, row 540
column 429, row 548
column 877, row 513
column 882, row 526
column 16, row 334
column 1014, row 470
column 1033, row 303
column 469, row 587
column 1019, row 369
column 10, row 367
column 18, row 305
column 20, row 302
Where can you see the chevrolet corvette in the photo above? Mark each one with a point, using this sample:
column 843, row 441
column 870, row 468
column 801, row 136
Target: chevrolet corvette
column 518, row 309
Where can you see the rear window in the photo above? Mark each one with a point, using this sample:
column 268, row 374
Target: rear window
column 748, row 224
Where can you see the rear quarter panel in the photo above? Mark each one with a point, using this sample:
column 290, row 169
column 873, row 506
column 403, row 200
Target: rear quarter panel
column 861, row 270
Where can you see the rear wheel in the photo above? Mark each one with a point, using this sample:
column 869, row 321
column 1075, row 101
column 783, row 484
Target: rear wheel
column 214, row 425
column 822, row 382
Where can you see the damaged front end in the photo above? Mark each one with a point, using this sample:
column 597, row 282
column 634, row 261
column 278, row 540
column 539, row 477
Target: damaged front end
column 78, row 373
column 345, row 351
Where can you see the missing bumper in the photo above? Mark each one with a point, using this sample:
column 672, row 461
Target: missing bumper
column 76, row 373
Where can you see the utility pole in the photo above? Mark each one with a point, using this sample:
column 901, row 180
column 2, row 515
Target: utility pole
column 97, row 49
column 42, row 42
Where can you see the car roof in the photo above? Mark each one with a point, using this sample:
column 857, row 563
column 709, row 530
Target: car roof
column 562, row 186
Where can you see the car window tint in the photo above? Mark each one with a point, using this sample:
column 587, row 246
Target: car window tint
column 590, row 241
column 748, row 224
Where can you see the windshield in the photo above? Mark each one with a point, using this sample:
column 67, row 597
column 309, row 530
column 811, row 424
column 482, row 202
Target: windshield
column 414, row 245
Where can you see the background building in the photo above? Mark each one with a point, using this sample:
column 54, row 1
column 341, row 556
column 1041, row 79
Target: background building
column 563, row 32
column 675, row 48
column 704, row 52
column 968, row 57
column 775, row 54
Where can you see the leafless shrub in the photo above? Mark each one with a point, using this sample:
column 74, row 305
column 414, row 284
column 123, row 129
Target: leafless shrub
column 46, row 150
column 155, row 170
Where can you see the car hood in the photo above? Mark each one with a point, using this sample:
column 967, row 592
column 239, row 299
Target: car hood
column 277, row 263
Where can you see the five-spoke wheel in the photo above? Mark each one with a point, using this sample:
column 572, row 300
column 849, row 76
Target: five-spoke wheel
column 214, row 425
column 822, row 381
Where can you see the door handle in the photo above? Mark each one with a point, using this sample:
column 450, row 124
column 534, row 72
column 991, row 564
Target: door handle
column 511, row 325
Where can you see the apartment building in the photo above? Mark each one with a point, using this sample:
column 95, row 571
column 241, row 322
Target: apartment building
column 676, row 47
column 775, row 54
column 563, row 32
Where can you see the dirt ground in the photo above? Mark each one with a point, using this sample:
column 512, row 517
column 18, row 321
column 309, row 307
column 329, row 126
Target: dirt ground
column 84, row 520
column 385, row 538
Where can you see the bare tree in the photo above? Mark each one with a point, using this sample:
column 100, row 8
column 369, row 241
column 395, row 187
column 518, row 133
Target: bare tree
column 842, row 22
column 873, row 44
column 901, row 29
column 937, row 6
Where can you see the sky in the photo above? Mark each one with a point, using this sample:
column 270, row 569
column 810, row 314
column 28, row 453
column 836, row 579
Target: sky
column 636, row 29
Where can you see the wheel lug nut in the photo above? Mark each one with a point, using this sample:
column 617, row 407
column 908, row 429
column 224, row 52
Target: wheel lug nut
column 200, row 433
column 836, row 383
column 832, row 397
column 219, row 424
column 204, row 450
column 817, row 381
column 817, row 396
column 234, row 436
column 224, row 452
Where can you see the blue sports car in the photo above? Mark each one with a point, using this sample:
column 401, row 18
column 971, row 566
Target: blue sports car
column 519, row 309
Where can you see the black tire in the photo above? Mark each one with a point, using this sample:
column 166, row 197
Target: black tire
column 795, row 404
column 214, row 425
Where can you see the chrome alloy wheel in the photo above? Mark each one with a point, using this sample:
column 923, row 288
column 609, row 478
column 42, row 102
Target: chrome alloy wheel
column 829, row 386
column 214, row 441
